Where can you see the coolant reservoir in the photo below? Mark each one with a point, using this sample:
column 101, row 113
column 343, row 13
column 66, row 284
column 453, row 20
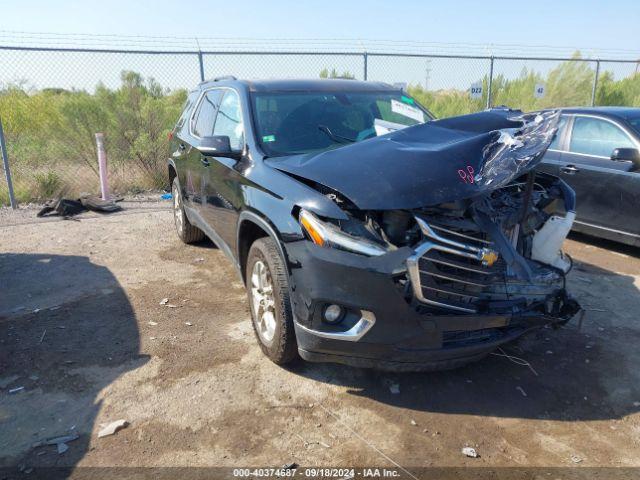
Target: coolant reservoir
column 547, row 242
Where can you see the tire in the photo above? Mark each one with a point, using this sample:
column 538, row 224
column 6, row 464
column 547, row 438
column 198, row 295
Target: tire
column 275, row 333
column 187, row 232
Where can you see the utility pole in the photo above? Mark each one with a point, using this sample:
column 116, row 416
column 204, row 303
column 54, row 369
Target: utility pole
column 427, row 74
column 595, row 84
column 490, row 83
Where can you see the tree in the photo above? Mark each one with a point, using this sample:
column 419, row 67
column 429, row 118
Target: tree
column 325, row 73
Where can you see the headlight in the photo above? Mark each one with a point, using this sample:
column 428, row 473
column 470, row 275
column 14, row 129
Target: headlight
column 328, row 235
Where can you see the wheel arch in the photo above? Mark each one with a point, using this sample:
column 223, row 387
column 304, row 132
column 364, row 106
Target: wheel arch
column 172, row 171
column 251, row 227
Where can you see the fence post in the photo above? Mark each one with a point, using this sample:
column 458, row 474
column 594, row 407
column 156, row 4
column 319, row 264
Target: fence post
column 595, row 84
column 200, row 61
column 102, row 166
column 366, row 68
column 7, row 170
column 490, row 83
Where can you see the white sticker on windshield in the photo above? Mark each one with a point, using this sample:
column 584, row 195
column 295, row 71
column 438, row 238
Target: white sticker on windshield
column 382, row 127
column 407, row 110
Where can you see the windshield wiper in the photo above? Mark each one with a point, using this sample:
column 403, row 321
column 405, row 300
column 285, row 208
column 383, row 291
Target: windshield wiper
column 333, row 136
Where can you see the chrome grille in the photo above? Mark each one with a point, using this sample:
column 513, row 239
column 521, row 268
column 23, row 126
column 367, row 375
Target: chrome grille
column 448, row 270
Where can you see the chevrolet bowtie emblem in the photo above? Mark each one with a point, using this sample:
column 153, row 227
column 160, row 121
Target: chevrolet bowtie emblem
column 489, row 257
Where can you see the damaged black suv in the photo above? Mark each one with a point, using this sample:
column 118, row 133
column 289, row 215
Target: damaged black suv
column 368, row 233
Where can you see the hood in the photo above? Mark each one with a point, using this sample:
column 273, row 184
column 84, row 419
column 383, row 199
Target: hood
column 431, row 163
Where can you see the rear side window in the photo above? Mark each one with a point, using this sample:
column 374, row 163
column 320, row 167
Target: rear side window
column 206, row 114
column 186, row 110
column 593, row 136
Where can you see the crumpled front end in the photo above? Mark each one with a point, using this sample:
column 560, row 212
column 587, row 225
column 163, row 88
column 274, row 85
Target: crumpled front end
column 494, row 256
column 500, row 252
column 443, row 283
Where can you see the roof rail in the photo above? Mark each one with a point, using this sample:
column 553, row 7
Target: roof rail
column 224, row 77
column 219, row 79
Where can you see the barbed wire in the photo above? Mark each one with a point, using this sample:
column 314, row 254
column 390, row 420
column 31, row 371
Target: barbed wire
column 232, row 44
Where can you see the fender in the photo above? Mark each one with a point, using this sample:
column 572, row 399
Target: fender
column 171, row 163
column 249, row 216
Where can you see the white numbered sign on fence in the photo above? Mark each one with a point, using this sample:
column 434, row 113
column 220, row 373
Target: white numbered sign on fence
column 539, row 90
column 476, row 90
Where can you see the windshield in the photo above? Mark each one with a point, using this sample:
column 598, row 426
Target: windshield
column 301, row 122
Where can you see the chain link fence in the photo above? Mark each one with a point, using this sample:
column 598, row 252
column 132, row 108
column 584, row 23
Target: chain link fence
column 53, row 101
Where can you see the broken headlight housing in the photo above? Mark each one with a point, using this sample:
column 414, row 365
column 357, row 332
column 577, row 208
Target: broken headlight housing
column 326, row 234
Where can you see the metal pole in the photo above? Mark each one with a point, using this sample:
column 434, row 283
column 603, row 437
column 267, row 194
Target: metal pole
column 595, row 84
column 490, row 82
column 7, row 170
column 201, row 66
column 366, row 61
column 102, row 166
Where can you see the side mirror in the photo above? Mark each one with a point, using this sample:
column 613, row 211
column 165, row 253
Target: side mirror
column 217, row 146
column 627, row 155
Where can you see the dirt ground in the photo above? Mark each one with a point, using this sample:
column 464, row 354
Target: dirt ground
column 82, row 329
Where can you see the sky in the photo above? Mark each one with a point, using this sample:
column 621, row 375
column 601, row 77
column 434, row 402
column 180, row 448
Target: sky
column 573, row 23
column 534, row 27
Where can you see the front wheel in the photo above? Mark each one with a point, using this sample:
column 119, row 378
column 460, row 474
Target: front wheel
column 268, row 290
column 187, row 232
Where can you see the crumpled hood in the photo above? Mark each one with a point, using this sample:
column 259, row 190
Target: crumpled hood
column 431, row 163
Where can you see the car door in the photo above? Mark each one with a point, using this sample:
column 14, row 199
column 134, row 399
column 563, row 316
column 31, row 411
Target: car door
column 201, row 126
column 607, row 191
column 181, row 144
column 223, row 190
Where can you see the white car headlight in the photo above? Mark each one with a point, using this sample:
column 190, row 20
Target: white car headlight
column 326, row 234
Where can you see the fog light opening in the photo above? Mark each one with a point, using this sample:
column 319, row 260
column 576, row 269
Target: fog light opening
column 333, row 314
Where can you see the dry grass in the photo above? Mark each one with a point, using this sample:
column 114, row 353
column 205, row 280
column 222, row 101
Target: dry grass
column 41, row 183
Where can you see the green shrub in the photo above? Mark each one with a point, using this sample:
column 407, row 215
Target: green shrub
column 50, row 134
column 48, row 184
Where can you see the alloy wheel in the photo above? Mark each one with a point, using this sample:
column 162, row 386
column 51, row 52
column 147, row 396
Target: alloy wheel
column 263, row 300
column 177, row 210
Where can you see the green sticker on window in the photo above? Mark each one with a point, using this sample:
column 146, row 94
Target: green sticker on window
column 407, row 100
column 269, row 138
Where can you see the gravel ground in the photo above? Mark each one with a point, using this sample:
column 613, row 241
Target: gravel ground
column 82, row 329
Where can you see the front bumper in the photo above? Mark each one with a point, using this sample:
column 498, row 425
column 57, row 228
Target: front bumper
column 397, row 333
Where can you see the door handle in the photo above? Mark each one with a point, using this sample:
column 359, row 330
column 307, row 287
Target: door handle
column 205, row 162
column 569, row 169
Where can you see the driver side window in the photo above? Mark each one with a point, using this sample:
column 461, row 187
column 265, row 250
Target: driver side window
column 229, row 120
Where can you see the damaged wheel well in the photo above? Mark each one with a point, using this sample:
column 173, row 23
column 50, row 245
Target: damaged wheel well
column 172, row 175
